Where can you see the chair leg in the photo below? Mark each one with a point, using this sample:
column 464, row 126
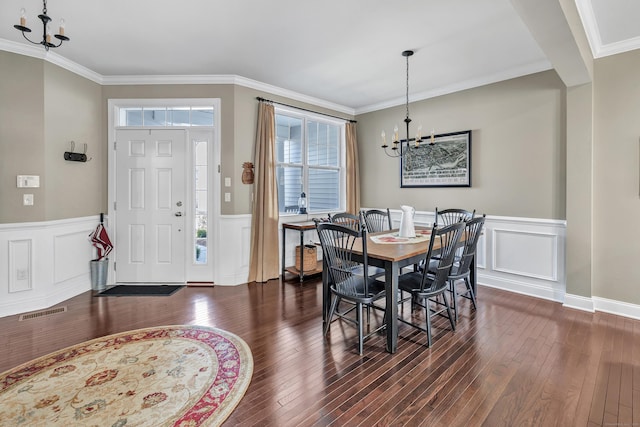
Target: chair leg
column 470, row 290
column 446, row 304
column 360, row 333
column 427, row 312
column 332, row 311
column 452, row 287
column 368, row 318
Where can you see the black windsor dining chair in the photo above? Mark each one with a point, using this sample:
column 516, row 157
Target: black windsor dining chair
column 349, row 278
column 425, row 285
column 350, row 220
column 461, row 269
column 377, row 220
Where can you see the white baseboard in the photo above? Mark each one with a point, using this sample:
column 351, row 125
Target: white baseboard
column 593, row 304
column 520, row 287
column 579, row 302
column 617, row 307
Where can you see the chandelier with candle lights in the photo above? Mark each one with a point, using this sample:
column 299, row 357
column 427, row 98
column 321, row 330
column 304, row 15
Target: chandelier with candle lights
column 46, row 30
column 402, row 147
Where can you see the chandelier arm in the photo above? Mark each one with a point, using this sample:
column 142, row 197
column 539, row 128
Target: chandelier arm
column 391, row 155
column 398, row 151
column 27, row 38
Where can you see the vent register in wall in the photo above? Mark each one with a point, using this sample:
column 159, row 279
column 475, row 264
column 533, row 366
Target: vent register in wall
column 43, row 313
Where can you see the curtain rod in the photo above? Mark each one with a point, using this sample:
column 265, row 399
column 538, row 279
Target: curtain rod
column 304, row 109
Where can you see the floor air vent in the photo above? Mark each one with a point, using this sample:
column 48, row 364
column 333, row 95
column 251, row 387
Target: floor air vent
column 42, row 313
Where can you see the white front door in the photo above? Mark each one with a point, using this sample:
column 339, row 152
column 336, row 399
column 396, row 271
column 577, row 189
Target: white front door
column 150, row 205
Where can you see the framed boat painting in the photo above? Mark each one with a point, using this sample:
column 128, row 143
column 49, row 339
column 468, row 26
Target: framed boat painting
column 438, row 161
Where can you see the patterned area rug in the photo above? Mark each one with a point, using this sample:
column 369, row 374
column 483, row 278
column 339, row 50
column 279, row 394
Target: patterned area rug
column 163, row 376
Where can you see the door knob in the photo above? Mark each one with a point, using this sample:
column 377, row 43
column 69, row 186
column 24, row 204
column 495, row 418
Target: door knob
column 178, row 214
column 178, row 204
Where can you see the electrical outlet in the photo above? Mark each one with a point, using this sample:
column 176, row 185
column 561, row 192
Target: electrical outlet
column 27, row 199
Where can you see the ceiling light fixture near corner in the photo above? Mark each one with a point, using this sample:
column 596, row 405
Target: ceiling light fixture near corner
column 46, row 30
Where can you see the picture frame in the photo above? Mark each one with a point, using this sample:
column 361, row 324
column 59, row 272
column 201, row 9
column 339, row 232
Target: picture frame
column 442, row 160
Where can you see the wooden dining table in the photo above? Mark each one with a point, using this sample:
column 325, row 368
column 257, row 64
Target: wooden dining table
column 392, row 257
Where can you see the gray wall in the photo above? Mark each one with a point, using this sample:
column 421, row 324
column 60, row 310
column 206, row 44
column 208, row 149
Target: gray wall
column 43, row 107
column 73, row 112
column 518, row 149
column 616, row 188
column 579, row 189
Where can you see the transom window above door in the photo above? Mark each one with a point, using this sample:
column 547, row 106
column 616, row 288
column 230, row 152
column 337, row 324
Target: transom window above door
column 165, row 116
column 310, row 156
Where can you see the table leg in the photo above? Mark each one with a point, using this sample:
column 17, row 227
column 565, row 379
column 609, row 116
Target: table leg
column 326, row 294
column 391, row 286
column 301, row 272
column 473, row 276
column 284, row 243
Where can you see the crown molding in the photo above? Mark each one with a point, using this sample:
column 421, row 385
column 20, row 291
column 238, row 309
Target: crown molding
column 532, row 68
column 225, row 79
column 590, row 24
column 22, row 49
column 274, row 90
column 37, row 51
column 54, row 58
column 167, row 80
column 618, row 47
column 588, row 18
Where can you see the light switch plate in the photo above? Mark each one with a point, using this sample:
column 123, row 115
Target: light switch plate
column 27, row 199
column 227, row 182
column 28, row 181
column 227, row 197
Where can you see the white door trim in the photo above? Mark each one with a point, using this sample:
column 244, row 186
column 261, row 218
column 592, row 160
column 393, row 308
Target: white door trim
column 214, row 175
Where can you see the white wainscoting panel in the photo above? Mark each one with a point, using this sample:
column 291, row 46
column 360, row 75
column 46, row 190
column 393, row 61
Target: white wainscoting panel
column 20, row 269
column 45, row 263
column 540, row 252
column 72, row 253
column 233, row 248
column 523, row 255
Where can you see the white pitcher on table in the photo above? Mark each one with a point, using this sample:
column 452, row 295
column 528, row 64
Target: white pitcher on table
column 407, row 227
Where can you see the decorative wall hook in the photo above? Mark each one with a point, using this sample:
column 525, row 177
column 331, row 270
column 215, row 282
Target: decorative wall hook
column 76, row 157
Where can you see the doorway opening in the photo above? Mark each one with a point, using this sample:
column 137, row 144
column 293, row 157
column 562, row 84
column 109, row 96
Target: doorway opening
column 163, row 189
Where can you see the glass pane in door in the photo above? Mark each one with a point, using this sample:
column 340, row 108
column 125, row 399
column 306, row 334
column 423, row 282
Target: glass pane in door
column 200, row 201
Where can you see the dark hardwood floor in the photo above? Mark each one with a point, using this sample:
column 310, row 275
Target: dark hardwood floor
column 517, row 361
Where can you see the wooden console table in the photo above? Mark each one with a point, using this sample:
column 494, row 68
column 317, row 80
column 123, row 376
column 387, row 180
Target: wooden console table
column 300, row 227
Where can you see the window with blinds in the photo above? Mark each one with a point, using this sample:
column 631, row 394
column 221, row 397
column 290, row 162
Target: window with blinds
column 309, row 153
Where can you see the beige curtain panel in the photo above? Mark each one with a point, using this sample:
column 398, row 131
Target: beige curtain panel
column 353, row 170
column 264, row 261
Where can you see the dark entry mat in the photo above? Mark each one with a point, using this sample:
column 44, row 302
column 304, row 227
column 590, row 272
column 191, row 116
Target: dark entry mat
column 140, row 291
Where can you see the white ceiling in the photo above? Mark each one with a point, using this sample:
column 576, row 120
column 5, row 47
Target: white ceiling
column 344, row 52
